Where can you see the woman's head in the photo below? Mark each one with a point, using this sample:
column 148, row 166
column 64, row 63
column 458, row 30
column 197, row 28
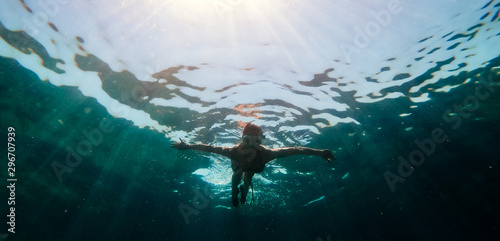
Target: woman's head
column 252, row 135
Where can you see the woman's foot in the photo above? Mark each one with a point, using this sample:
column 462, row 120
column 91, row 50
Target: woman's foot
column 235, row 197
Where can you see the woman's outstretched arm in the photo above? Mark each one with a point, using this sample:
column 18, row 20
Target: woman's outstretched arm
column 225, row 151
column 290, row 151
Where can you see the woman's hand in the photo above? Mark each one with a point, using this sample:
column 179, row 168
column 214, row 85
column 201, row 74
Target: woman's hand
column 180, row 145
column 327, row 155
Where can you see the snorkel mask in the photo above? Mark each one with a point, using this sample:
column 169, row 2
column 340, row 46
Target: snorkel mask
column 253, row 141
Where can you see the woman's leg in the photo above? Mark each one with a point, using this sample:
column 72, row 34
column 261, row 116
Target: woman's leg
column 247, row 180
column 235, row 181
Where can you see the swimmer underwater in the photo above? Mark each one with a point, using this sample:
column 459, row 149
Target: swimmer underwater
column 250, row 157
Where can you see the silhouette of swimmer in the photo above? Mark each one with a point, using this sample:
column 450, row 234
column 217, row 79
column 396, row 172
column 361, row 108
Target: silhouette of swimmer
column 250, row 157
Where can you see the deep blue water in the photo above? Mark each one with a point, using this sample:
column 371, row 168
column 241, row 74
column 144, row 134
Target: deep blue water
column 405, row 169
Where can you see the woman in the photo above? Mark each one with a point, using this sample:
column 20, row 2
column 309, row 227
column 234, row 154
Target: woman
column 250, row 157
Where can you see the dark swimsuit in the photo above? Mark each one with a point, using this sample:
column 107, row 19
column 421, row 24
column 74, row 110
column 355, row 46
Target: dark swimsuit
column 238, row 161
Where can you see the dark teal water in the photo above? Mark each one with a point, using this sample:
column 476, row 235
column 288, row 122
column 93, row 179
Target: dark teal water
column 123, row 189
column 129, row 184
